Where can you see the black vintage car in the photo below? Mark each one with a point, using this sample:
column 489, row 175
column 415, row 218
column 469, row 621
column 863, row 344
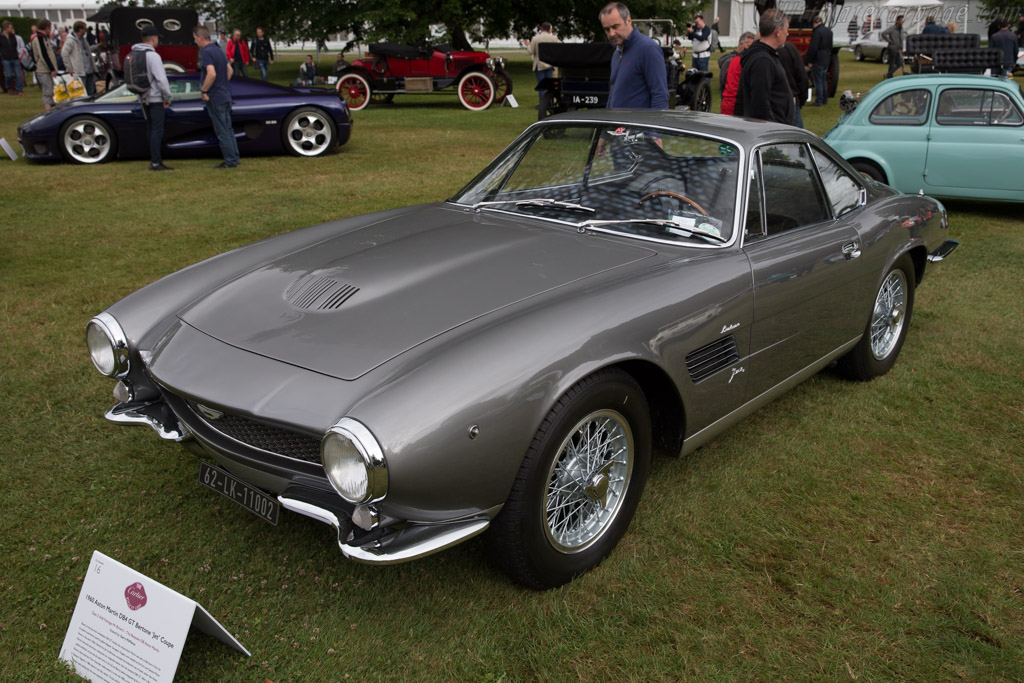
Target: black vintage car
column 584, row 71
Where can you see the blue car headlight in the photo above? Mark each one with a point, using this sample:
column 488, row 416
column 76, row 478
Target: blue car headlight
column 354, row 462
column 108, row 345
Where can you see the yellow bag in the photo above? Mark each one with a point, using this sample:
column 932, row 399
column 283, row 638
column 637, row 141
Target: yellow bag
column 60, row 89
column 67, row 87
column 76, row 88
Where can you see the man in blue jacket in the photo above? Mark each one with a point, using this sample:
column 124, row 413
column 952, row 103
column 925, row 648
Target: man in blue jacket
column 819, row 56
column 638, row 79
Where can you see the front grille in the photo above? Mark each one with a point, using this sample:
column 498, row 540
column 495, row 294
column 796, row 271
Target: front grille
column 265, row 437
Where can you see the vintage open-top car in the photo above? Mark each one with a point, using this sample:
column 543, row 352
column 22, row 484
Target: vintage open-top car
column 507, row 360
column 584, row 73
column 391, row 69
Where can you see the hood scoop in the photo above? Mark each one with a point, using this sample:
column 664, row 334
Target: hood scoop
column 319, row 293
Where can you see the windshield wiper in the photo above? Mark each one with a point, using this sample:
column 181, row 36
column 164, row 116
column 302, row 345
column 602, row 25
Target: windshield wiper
column 671, row 225
column 539, row 201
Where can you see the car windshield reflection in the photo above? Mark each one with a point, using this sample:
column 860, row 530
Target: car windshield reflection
column 182, row 89
column 653, row 184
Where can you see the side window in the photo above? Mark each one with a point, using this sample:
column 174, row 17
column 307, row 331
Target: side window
column 842, row 190
column 963, row 107
column 754, row 225
column 904, row 108
column 792, row 193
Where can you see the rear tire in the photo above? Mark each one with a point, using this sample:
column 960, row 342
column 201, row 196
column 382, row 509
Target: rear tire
column 702, row 97
column 502, row 85
column 858, row 55
column 833, row 75
column 579, row 483
column 878, row 349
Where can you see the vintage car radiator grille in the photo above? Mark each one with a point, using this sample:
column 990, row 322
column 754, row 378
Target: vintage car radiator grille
column 266, row 438
column 707, row 360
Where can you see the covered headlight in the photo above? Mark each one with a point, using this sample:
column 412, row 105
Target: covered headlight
column 354, row 462
column 108, row 345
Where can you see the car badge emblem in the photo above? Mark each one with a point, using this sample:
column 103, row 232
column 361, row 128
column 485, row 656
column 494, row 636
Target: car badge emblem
column 209, row 413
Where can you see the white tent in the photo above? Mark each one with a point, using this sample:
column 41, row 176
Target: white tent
column 914, row 13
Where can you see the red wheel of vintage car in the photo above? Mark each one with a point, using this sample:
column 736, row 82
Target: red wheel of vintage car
column 476, row 91
column 355, row 90
column 502, row 85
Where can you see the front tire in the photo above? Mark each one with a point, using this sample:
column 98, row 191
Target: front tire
column 308, row 132
column 88, row 140
column 877, row 350
column 869, row 170
column 502, row 85
column 355, row 90
column 858, row 54
column 579, row 484
column 476, row 91
column 702, row 97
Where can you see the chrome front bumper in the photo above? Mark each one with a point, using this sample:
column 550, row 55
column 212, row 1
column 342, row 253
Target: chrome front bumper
column 403, row 545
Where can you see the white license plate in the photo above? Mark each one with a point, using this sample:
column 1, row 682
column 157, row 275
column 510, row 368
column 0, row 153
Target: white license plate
column 246, row 495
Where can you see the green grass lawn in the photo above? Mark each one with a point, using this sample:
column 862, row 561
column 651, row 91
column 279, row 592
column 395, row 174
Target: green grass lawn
column 847, row 531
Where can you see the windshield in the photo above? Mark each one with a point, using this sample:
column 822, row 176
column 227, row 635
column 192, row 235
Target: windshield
column 637, row 181
column 181, row 89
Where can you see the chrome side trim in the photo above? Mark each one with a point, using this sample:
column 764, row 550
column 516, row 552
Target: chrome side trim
column 404, row 545
column 947, row 248
column 700, row 438
column 157, row 415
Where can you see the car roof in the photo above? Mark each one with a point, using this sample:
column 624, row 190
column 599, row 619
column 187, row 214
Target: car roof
column 918, row 80
column 746, row 132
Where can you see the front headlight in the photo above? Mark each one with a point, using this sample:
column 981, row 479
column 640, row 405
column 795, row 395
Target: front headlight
column 108, row 345
column 354, row 462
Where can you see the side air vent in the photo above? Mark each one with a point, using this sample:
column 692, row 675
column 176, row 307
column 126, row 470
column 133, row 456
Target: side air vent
column 707, row 360
column 322, row 294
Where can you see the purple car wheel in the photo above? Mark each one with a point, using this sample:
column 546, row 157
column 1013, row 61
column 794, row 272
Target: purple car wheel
column 355, row 90
column 476, row 91
column 87, row 140
column 308, row 132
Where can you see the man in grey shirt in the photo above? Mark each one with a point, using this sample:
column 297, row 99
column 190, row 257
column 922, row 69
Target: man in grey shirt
column 157, row 99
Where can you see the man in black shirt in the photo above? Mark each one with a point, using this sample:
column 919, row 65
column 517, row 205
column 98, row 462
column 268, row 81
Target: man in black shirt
column 262, row 50
column 764, row 89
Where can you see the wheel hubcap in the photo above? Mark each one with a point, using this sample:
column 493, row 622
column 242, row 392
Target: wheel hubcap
column 310, row 134
column 86, row 142
column 889, row 314
column 588, row 480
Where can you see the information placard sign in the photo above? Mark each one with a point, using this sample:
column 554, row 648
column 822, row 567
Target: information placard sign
column 128, row 627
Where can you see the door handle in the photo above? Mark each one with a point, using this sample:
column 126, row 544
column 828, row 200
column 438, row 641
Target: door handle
column 851, row 250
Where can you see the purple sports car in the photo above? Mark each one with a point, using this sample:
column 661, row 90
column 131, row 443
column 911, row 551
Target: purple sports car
column 268, row 118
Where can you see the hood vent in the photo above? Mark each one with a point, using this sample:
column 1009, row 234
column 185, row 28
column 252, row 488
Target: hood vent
column 707, row 360
column 321, row 293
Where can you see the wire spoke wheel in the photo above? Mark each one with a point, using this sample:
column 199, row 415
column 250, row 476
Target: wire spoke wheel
column 588, row 480
column 889, row 314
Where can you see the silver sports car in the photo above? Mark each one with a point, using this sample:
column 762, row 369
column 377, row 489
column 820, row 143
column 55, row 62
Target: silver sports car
column 506, row 361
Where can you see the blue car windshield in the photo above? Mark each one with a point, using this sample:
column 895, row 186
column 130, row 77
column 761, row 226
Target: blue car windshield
column 631, row 180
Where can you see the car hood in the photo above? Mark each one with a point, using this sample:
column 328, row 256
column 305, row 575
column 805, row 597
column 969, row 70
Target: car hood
column 346, row 305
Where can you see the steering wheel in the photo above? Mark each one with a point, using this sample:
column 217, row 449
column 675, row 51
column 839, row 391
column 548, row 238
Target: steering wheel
column 674, row 195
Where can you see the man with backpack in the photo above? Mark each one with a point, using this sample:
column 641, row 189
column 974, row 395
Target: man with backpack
column 46, row 61
column 145, row 76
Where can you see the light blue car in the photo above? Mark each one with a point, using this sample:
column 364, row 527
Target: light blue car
column 949, row 135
